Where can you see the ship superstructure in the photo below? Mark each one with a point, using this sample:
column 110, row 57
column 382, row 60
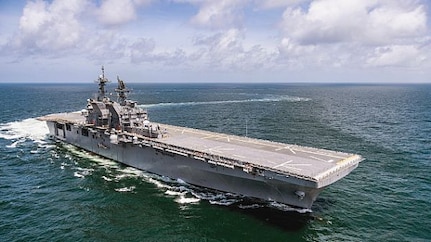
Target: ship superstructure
column 120, row 130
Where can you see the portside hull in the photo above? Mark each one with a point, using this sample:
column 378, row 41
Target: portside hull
column 268, row 186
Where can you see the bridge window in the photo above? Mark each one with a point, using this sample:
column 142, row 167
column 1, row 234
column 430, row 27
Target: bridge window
column 84, row 132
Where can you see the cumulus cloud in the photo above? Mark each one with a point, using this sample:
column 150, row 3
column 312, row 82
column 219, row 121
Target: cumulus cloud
column 387, row 23
column 46, row 26
column 117, row 12
column 114, row 12
column 366, row 21
column 396, row 55
column 265, row 4
column 380, row 28
column 226, row 50
column 52, row 28
column 218, row 14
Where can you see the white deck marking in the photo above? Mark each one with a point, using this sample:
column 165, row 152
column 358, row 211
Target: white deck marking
column 320, row 159
column 287, row 148
column 282, row 164
column 289, row 166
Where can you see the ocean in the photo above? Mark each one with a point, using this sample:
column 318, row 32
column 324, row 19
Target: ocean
column 52, row 191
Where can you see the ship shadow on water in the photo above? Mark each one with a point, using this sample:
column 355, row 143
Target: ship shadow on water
column 290, row 219
column 323, row 204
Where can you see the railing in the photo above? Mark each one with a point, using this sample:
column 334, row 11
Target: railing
column 207, row 157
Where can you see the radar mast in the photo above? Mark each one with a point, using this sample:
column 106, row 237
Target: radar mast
column 121, row 90
column 102, row 80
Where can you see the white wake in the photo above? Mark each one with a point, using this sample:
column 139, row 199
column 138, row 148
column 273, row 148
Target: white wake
column 20, row 131
column 269, row 99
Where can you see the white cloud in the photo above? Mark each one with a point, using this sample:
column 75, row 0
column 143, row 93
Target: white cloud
column 218, row 14
column 221, row 48
column 367, row 21
column 396, row 22
column 52, row 29
column 227, row 51
column 338, row 32
column 49, row 27
column 265, row 4
column 116, row 12
column 141, row 50
column 295, row 56
column 396, row 55
column 104, row 46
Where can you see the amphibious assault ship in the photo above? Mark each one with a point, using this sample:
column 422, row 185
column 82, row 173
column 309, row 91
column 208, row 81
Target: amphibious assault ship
column 121, row 130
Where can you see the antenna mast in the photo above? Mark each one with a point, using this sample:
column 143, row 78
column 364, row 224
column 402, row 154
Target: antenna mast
column 102, row 82
column 121, row 90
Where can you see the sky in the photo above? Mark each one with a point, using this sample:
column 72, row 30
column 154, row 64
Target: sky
column 289, row 41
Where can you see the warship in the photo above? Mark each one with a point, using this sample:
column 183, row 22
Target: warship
column 121, row 130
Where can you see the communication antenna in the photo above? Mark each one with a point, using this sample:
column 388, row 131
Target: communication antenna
column 102, row 80
column 122, row 91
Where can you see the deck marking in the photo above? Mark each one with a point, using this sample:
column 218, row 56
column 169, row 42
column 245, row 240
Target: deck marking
column 293, row 152
column 287, row 148
column 209, row 135
column 282, row 164
column 289, row 166
column 320, row 159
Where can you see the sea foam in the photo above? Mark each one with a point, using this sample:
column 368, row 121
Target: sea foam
column 19, row 131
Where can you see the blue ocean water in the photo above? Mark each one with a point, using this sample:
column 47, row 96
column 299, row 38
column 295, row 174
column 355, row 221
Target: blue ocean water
column 54, row 192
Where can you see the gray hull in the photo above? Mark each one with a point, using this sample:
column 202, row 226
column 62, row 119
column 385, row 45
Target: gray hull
column 271, row 186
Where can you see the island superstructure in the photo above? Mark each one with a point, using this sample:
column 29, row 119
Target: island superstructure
column 120, row 130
